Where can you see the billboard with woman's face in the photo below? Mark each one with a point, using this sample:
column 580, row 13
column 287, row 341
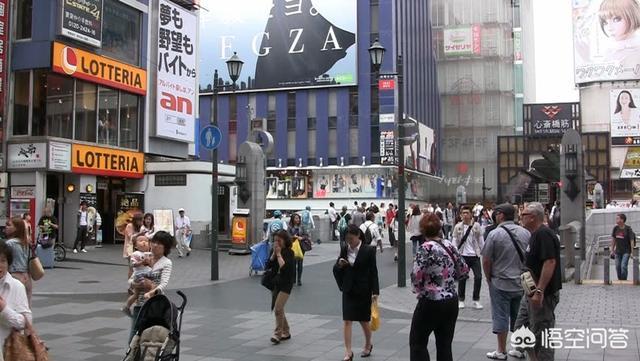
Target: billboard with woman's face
column 606, row 40
column 625, row 117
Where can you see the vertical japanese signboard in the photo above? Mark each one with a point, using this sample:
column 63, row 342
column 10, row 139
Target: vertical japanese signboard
column 82, row 21
column 4, row 43
column 176, row 87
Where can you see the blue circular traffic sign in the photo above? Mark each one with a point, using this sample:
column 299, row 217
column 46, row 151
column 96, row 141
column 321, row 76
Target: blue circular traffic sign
column 210, row 137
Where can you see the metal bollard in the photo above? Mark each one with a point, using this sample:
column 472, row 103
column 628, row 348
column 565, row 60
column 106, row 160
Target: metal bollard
column 636, row 269
column 607, row 276
column 577, row 275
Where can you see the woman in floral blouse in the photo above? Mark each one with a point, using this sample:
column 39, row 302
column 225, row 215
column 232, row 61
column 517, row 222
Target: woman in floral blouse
column 436, row 271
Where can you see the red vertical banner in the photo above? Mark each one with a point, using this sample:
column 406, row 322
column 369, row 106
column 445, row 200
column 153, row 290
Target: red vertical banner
column 477, row 39
column 4, row 45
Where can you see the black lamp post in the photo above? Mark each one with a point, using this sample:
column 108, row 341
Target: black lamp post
column 234, row 66
column 376, row 52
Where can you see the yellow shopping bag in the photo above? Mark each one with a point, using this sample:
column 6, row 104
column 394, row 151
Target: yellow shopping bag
column 297, row 250
column 375, row 316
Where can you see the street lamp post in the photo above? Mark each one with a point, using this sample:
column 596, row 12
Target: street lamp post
column 376, row 52
column 234, row 66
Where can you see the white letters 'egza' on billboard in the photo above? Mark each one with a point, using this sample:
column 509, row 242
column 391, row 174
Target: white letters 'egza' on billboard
column 606, row 37
column 283, row 43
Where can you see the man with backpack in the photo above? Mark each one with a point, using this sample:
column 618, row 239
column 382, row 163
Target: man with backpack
column 307, row 223
column 343, row 224
column 276, row 225
column 358, row 218
column 371, row 231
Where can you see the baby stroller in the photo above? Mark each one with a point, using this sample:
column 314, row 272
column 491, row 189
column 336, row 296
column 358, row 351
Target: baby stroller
column 157, row 331
column 259, row 257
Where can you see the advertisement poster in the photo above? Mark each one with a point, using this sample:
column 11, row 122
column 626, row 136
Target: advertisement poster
column 606, row 40
column 127, row 204
column 321, row 187
column 299, row 187
column 462, row 41
column 284, row 44
column 176, row 86
column 418, row 155
column 387, row 148
column 82, row 21
column 163, row 220
column 90, row 198
column 625, row 116
column 272, row 187
column 239, row 230
column 631, row 165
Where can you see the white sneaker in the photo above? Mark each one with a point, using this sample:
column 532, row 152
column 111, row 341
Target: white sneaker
column 515, row 353
column 477, row 305
column 461, row 304
column 83, row 250
column 495, row 355
column 75, row 250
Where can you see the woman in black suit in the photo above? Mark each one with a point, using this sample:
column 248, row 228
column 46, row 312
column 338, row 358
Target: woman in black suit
column 282, row 262
column 357, row 276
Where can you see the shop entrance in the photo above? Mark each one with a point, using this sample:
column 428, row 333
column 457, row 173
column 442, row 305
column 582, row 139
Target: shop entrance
column 106, row 190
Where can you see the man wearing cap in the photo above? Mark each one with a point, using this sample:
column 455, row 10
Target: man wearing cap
column 502, row 267
column 183, row 230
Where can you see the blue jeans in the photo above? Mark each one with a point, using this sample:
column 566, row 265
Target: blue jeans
column 134, row 317
column 622, row 265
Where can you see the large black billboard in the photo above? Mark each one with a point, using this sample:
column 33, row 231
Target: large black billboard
column 283, row 43
column 82, row 21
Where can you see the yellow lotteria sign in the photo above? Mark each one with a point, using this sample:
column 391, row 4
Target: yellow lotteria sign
column 98, row 69
column 106, row 162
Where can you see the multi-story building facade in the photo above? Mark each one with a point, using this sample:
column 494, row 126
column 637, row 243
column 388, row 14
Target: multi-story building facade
column 83, row 111
column 479, row 57
column 333, row 134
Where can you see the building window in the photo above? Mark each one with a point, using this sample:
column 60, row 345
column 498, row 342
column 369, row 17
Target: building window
column 311, row 123
column 21, row 103
column 129, row 119
column 107, row 116
column 121, row 32
column 170, row 180
column 23, row 19
column 291, row 123
column 59, row 106
column 333, row 122
column 85, row 111
column 39, row 115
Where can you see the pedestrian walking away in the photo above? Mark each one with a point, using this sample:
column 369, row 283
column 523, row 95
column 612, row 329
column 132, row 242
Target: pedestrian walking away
column 502, row 265
column 537, row 308
column 371, row 232
column 358, row 217
column 183, row 231
column 16, row 231
column 356, row 274
column 449, row 220
column 467, row 237
column 623, row 240
column 82, row 232
column 282, row 264
column 413, row 228
column 308, row 225
column 436, row 268
column 333, row 218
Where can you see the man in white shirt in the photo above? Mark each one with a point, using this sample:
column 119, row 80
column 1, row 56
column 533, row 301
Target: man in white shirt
column 374, row 231
column 467, row 236
column 82, row 233
column 183, row 230
column 449, row 220
column 333, row 218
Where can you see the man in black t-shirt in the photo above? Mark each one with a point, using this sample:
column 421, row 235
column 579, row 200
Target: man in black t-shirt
column 543, row 260
column 622, row 241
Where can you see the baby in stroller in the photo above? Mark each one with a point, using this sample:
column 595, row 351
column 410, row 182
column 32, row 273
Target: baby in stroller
column 140, row 261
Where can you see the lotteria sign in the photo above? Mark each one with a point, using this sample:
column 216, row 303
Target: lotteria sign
column 106, row 162
column 98, row 69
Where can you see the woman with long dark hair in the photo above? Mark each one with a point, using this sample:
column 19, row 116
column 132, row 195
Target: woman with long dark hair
column 298, row 233
column 282, row 263
column 356, row 274
column 148, row 228
column 16, row 231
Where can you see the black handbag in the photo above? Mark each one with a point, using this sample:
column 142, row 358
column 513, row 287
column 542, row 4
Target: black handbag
column 268, row 279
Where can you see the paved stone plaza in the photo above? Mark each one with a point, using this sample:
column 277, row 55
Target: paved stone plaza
column 76, row 310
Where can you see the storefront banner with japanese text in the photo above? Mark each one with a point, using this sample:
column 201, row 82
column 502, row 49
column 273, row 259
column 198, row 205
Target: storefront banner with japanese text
column 82, row 21
column 177, row 63
column 606, row 40
column 625, row 116
column 462, row 41
column 127, row 205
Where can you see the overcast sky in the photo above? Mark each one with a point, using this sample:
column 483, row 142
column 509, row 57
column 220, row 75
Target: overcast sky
column 553, row 51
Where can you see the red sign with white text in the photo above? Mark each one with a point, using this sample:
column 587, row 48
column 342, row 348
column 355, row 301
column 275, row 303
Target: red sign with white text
column 4, row 45
column 386, row 84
